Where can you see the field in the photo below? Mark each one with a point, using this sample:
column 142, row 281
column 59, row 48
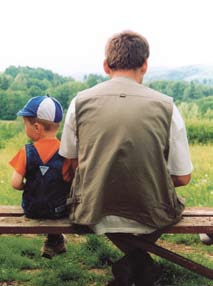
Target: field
column 87, row 261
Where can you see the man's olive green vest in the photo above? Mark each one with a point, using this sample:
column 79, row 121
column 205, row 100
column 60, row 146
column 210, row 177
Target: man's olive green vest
column 123, row 132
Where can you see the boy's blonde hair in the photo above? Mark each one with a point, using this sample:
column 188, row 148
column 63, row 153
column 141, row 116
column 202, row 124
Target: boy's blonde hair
column 48, row 125
column 126, row 50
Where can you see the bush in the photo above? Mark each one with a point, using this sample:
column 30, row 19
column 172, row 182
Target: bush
column 9, row 129
column 199, row 130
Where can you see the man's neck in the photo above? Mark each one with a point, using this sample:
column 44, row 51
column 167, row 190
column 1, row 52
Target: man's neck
column 133, row 74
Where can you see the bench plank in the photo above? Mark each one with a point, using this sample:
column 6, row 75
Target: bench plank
column 11, row 211
column 189, row 211
column 195, row 220
column 195, row 224
column 18, row 223
column 23, row 225
column 198, row 211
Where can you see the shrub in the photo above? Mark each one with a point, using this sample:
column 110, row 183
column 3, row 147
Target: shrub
column 199, row 130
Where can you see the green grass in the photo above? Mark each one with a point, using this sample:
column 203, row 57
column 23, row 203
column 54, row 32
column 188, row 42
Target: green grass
column 8, row 130
column 200, row 190
column 87, row 261
column 20, row 261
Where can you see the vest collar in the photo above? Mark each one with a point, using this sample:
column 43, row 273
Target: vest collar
column 124, row 79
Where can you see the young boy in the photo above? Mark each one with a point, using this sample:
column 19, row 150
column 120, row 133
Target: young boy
column 43, row 175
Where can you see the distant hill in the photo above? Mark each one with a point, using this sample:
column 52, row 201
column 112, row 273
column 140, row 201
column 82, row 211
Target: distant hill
column 197, row 73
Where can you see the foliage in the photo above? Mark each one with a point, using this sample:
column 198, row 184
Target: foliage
column 9, row 129
column 181, row 90
column 93, row 79
column 199, row 131
column 19, row 84
column 65, row 92
column 198, row 117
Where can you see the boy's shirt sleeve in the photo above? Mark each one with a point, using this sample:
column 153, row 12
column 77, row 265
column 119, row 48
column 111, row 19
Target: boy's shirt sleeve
column 18, row 162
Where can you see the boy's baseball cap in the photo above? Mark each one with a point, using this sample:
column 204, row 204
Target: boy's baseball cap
column 43, row 107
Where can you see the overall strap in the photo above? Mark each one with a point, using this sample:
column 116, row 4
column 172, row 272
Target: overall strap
column 32, row 156
column 56, row 161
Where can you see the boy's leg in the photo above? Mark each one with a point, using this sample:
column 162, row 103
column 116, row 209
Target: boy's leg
column 53, row 245
column 136, row 266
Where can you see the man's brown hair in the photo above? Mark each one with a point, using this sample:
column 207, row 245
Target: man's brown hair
column 126, row 50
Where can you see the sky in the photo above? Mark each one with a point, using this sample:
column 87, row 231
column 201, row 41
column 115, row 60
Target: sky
column 68, row 37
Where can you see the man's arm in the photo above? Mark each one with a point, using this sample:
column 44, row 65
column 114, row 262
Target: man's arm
column 69, row 145
column 181, row 180
column 179, row 162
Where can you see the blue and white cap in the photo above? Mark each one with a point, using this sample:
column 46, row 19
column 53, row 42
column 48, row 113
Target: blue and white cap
column 43, row 107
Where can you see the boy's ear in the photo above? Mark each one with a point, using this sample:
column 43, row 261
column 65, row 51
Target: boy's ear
column 38, row 127
column 106, row 67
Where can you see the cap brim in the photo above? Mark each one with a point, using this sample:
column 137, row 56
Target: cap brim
column 24, row 113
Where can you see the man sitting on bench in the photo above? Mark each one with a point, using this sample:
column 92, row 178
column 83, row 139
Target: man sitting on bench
column 132, row 151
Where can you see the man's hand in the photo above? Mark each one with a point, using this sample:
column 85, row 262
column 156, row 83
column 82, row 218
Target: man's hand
column 181, row 180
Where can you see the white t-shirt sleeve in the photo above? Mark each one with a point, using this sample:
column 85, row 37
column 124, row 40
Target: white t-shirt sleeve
column 179, row 162
column 69, row 143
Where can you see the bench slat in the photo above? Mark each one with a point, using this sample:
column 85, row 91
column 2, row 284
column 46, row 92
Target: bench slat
column 15, row 225
column 11, row 211
column 24, row 225
column 189, row 211
column 198, row 211
column 192, row 225
column 195, row 220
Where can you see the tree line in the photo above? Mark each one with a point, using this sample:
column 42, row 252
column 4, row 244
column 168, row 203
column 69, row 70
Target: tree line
column 19, row 84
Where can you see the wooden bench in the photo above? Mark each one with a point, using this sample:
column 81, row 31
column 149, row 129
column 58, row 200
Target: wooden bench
column 194, row 221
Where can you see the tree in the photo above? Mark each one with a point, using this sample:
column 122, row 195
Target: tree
column 93, row 79
column 35, row 91
column 12, row 71
column 192, row 92
column 10, row 104
column 65, row 92
column 4, row 82
column 189, row 110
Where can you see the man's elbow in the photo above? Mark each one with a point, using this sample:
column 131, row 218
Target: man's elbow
column 181, row 180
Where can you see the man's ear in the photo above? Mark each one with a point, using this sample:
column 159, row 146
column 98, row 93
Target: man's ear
column 106, row 67
column 144, row 67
